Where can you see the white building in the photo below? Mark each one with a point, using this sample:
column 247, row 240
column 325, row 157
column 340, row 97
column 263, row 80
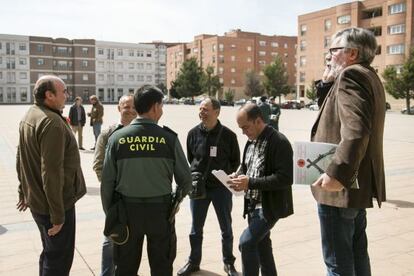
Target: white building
column 14, row 69
column 121, row 68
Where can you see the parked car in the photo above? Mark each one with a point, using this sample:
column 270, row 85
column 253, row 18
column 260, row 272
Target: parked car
column 314, row 107
column 308, row 105
column 291, row 105
column 226, row 103
column 240, row 102
column 404, row 110
column 387, row 105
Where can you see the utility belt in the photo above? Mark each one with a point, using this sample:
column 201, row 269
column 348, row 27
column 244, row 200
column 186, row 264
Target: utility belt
column 156, row 199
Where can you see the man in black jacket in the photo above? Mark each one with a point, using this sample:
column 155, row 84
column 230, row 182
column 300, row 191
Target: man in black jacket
column 211, row 140
column 267, row 174
column 77, row 119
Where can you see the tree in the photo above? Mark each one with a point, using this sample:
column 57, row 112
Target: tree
column 163, row 88
column 211, row 82
column 401, row 85
column 229, row 95
column 276, row 79
column 189, row 80
column 252, row 86
column 311, row 92
column 173, row 92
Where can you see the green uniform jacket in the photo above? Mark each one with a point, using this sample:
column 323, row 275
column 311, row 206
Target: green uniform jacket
column 140, row 162
column 48, row 164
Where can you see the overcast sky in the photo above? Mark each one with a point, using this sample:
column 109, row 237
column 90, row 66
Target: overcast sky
column 145, row 21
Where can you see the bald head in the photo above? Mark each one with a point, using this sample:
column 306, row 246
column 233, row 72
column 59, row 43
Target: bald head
column 127, row 109
column 250, row 121
column 44, row 84
column 252, row 111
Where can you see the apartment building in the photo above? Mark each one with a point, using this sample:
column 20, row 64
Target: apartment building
column 107, row 69
column 14, row 69
column 391, row 21
column 234, row 54
column 123, row 67
column 71, row 60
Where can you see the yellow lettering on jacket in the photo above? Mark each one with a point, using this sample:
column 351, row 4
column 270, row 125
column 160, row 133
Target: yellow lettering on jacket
column 142, row 143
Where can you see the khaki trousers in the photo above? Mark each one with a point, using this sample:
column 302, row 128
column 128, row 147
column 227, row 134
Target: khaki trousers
column 78, row 129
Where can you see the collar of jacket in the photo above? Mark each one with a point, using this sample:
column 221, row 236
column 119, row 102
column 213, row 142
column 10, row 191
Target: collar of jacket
column 52, row 110
column 143, row 121
column 214, row 130
column 266, row 132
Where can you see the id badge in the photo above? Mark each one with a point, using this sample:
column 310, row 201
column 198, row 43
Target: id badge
column 213, row 151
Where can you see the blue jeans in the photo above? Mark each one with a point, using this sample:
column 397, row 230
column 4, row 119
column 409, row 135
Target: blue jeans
column 96, row 130
column 256, row 246
column 57, row 255
column 222, row 202
column 344, row 241
column 107, row 264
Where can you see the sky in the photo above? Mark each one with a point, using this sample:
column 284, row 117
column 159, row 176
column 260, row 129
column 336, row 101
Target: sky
column 145, row 21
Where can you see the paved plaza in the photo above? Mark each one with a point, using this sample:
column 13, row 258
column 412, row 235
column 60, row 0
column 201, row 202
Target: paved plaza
column 296, row 239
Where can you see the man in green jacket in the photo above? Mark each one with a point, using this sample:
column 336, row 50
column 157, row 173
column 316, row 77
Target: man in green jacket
column 50, row 175
column 140, row 162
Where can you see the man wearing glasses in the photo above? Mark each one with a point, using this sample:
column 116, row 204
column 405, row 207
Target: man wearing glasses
column 351, row 116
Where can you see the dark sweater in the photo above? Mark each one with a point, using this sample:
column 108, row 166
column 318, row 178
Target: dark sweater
column 199, row 141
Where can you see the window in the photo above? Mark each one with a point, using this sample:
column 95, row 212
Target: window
column 119, row 65
column 262, row 43
column 275, row 44
column 62, row 50
column 11, row 63
column 262, row 53
column 221, row 59
column 233, row 81
column 378, row 51
column 101, row 77
column 131, row 78
column 396, row 8
column 396, row 29
column 62, row 63
column 249, row 48
column 131, row 53
column 140, row 78
column 11, row 77
column 195, row 50
column 131, row 65
column 398, row 68
column 302, row 61
column 1, row 60
column 233, row 70
column 22, row 75
column 85, row 50
column 303, row 29
column 40, row 48
column 371, row 13
column 100, row 51
column 85, row 77
column 377, row 31
column 1, row 95
column 120, row 77
column 84, row 63
column 22, row 61
column 273, row 54
column 40, row 61
column 285, row 45
column 63, row 76
column 1, row 45
column 233, row 46
column 249, row 59
column 149, row 54
column 328, row 24
column 286, row 55
column 221, row 70
column 140, row 65
column 303, row 45
column 23, row 94
column 101, row 64
column 326, row 41
column 262, row 62
column 140, row 53
column 233, row 58
column 302, row 76
column 1, row 75
column 149, row 66
column 221, row 47
column 396, row 49
column 344, row 19
column 22, row 46
column 149, row 78
column 120, row 52
column 213, row 48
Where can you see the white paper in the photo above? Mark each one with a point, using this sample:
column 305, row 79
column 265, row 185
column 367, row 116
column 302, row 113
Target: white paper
column 223, row 177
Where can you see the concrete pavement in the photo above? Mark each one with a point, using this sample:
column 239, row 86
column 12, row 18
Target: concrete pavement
column 296, row 239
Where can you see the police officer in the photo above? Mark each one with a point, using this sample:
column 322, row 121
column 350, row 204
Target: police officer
column 139, row 164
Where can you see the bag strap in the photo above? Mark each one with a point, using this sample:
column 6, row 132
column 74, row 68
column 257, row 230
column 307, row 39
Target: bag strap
column 210, row 159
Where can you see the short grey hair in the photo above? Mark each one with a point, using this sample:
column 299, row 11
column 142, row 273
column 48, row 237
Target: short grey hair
column 361, row 39
column 214, row 102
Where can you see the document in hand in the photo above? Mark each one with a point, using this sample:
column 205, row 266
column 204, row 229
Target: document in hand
column 223, row 177
column 310, row 160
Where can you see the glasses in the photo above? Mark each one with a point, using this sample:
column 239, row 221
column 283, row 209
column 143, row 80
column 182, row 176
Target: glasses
column 336, row 49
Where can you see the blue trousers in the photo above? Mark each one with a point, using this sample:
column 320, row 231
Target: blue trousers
column 107, row 264
column 344, row 241
column 256, row 246
column 223, row 204
column 57, row 255
column 96, row 130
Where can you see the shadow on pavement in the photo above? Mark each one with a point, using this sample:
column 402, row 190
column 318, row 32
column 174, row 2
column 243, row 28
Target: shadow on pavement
column 401, row 203
column 2, row 230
